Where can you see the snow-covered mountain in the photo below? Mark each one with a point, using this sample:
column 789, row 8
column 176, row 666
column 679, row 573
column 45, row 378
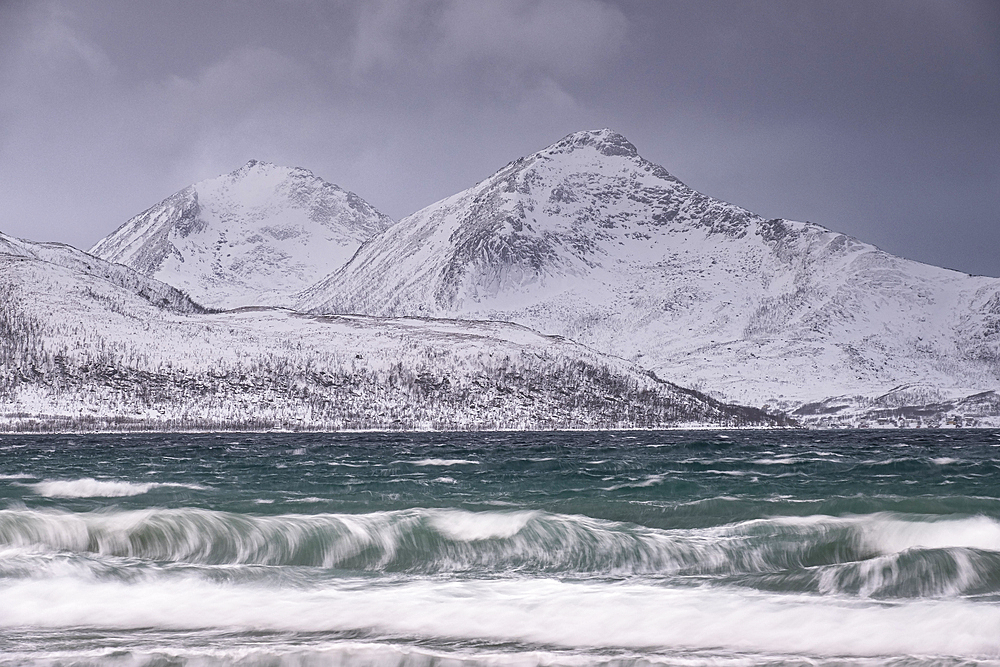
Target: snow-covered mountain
column 85, row 344
column 588, row 240
column 256, row 236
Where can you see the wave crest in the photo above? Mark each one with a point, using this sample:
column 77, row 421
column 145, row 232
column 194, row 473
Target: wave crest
column 89, row 487
column 877, row 555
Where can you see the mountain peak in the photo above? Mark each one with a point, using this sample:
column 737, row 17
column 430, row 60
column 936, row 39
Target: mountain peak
column 255, row 236
column 607, row 142
column 584, row 206
column 258, row 165
column 261, row 167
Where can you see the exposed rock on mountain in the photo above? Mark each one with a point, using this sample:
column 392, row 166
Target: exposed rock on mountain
column 256, row 236
column 588, row 240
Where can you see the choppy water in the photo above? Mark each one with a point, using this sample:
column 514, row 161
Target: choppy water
column 428, row 550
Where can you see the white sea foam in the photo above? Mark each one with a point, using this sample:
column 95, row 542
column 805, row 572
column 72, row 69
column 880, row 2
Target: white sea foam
column 782, row 460
column 88, row 487
column 470, row 526
column 532, row 611
column 441, row 462
column 888, row 534
column 650, row 480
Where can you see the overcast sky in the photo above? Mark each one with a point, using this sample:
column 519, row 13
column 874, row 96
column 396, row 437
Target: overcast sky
column 878, row 119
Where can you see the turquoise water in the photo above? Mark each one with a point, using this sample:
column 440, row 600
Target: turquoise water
column 667, row 548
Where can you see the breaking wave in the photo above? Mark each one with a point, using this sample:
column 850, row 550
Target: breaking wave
column 89, row 487
column 879, row 555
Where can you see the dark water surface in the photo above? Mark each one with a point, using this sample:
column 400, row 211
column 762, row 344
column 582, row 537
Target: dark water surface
column 392, row 550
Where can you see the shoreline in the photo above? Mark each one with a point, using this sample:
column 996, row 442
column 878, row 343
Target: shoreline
column 684, row 428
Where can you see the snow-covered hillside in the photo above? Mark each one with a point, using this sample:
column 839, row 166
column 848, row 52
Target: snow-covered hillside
column 256, row 236
column 588, row 240
column 89, row 345
column 87, row 267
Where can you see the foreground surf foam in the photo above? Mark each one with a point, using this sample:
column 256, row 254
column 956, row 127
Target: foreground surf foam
column 540, row 612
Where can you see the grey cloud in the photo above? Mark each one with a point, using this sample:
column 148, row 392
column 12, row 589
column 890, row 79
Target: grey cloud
column 874, row 119
column 483, row 50
column 566, row 36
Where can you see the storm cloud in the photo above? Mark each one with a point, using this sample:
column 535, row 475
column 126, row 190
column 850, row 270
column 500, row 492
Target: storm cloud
column 875, row 119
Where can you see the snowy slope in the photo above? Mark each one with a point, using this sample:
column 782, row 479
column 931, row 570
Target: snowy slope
column 588, row 240
column 255, row 236
column 90, row 267
column 81, row 347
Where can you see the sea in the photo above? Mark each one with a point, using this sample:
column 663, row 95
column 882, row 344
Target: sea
column 501, row 549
